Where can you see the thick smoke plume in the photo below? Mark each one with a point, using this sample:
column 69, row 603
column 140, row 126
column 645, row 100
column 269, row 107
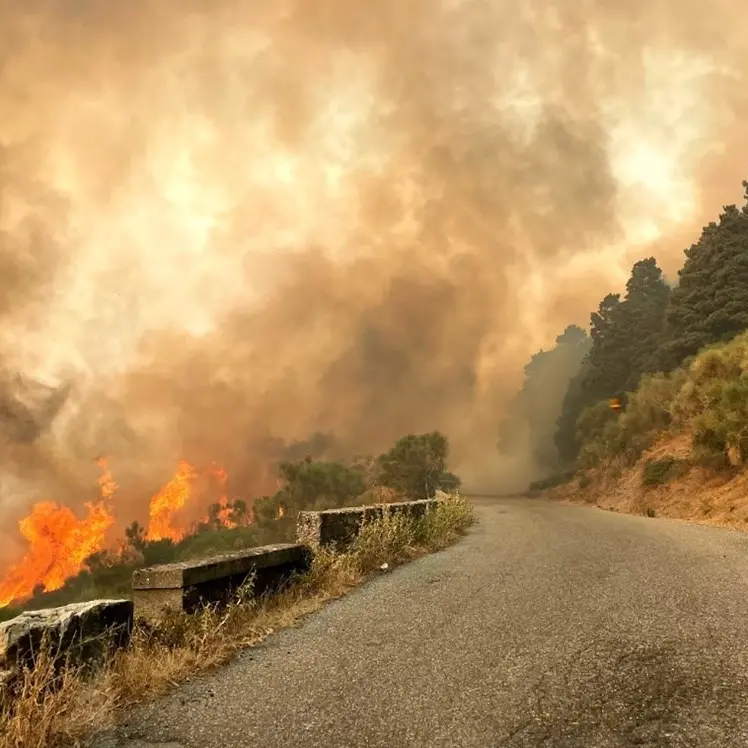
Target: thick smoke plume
column 231, row 225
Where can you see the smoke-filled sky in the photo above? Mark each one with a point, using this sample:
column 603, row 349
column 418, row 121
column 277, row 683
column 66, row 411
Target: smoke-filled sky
column 232, row 222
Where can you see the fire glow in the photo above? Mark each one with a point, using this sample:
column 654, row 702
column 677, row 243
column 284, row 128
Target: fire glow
column 167, row 502
column 59, row 541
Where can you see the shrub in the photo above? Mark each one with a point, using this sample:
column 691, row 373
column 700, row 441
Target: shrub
column 722, row 430
column 593, row 421
column 224, row 540
column 706, row 374
column 416, row 467
column 650, row 408
column 658, row 472
column 649, row 411
column 310, row 484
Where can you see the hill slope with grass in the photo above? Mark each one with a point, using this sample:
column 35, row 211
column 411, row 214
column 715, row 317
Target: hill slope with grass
column 654, row 417
column 678, row 449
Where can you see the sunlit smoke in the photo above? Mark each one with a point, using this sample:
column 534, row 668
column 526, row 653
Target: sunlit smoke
column 232, row 225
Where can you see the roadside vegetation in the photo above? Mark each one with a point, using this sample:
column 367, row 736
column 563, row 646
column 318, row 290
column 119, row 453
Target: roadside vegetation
column 414, row 467
column 54, row 710
column 49, row 707
column 674, row 357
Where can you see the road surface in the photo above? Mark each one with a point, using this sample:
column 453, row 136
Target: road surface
column 548, row 625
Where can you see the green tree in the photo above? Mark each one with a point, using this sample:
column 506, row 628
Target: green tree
column 566, row 437
column 643, row 320
column 309, row 484
column 710, row 303
column 607, row 370
column 416, row 466
column 625, row 335
column 599, row 376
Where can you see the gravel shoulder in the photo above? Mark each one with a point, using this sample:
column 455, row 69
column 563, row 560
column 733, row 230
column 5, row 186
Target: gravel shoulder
column 548, row 625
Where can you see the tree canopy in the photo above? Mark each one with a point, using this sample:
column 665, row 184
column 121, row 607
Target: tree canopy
column 654, row 329
column 416, row 466
column 625, row 337
column 710, row 303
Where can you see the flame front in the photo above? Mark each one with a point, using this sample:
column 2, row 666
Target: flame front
column 168, row 502
column 107, row 486
column 224, row 514
column 58, row 543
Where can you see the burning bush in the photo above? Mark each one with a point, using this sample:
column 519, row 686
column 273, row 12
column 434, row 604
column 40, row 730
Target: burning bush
column 73, row 558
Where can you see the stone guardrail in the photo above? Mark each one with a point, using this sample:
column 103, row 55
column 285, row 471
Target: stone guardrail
column 77, row 633
column 338, row 528
column 82, row 629
column 183, row 587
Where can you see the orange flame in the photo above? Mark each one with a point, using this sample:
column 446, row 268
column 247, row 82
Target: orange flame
column 107, row 486
column 167, row 503
column 58, row 544
column 224, row 514
column 281, row 511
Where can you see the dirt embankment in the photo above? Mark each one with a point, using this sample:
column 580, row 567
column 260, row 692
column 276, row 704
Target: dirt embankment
column 665, row 482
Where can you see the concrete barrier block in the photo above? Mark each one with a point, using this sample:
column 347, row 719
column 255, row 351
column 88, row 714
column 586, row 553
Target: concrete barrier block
column 338, row 528
column 183, row 587
column 76, row 633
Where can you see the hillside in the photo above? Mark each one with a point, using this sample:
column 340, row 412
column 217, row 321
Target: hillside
column 648, row 411
column 679, row 447
column 698, row 496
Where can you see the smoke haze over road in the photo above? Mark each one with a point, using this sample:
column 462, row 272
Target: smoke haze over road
column 232, row 225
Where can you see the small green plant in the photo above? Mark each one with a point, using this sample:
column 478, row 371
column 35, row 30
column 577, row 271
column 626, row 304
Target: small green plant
column 659, row 472
column 650, row 512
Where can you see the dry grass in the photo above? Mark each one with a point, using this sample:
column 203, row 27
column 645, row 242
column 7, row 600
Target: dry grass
column 703, row 495
column 55, row 710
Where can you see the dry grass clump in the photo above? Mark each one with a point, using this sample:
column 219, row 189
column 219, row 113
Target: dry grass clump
column 49, row 707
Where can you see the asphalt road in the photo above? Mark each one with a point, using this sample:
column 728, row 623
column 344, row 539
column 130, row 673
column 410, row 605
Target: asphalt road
column 547, row 626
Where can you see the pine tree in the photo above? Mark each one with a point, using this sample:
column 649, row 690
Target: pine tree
column 606, row 365
column 625, row 336
column 647, row 296
column 596, row 377
column 710, row 303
